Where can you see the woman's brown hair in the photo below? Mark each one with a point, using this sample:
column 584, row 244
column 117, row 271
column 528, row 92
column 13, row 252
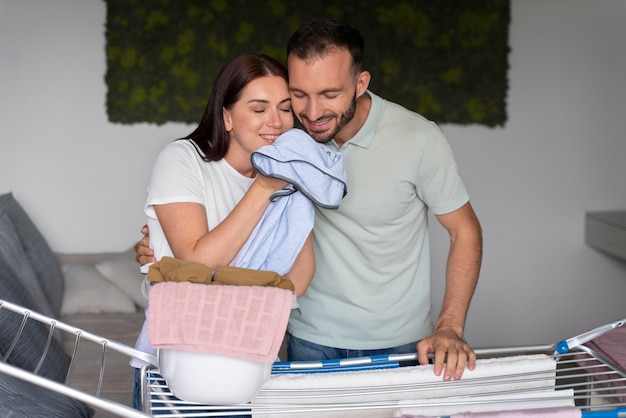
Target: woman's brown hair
column 211, row 135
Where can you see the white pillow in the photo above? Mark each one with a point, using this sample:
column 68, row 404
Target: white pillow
column 123, row 271
column 86, row 291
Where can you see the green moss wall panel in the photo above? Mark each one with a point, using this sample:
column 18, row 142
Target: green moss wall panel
column 445, row 59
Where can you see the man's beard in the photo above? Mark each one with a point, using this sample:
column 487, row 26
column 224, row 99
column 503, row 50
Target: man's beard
column 345, row 118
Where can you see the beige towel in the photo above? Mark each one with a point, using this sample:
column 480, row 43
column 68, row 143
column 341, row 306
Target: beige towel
column 170, row 269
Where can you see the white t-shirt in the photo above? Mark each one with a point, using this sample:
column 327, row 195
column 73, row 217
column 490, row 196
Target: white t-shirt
column 181, row 175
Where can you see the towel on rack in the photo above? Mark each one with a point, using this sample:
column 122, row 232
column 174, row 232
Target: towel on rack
column 315, row 175
column 247, row 322
column 564, row 412
column 511, row 373
column 610, row 345
column 509, row 405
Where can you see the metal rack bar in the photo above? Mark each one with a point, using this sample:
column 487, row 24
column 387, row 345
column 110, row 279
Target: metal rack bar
column 574, row 375
column 569, row 375
column 24, row 315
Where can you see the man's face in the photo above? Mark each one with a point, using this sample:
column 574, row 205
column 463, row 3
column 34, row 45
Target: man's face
column 323, row 93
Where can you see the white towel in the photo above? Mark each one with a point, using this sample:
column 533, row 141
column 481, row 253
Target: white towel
column 420, row 381
column 520, row 401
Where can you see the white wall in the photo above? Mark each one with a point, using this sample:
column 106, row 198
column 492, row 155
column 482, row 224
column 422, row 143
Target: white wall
column 561, row 153
column 81, row 178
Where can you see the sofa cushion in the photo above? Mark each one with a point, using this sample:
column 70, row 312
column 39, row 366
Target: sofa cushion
column 122, row 270
column 87, row 291
column 30, row 346
column 19, row 398
column 16, row 262
column 42, row 259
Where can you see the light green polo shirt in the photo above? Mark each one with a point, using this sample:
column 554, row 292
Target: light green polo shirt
column 371, row 288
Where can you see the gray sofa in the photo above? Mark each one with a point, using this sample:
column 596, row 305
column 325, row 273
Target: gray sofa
column 99, row 293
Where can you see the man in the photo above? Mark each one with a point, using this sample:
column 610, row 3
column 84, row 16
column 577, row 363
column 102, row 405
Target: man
column 371, row 290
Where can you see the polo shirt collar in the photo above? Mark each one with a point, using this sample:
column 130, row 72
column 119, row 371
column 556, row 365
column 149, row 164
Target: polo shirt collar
column 365, row 135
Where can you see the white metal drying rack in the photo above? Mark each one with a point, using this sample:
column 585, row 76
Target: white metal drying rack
column 573, row 372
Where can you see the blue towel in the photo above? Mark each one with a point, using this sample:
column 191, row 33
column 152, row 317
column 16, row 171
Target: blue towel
column 315, row 175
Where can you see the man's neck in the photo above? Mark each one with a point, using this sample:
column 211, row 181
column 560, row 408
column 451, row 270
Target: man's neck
column 363, row 105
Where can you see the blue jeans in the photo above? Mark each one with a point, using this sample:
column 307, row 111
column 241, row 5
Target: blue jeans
column 302, row 350
column 137, row 390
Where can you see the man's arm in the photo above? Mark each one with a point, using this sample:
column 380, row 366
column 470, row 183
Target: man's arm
column 462, row 270
column 144, row 254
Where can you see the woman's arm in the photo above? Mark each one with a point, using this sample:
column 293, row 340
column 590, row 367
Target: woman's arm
column 186, row 227
column 303, row 268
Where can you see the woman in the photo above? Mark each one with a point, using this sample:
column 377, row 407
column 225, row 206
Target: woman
column 205, row 198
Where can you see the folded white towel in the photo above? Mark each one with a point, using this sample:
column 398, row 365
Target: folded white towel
column 521, row 401
column 491, row 376
column 559, row 412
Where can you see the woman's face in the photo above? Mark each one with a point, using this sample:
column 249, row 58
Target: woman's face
column 262, row 113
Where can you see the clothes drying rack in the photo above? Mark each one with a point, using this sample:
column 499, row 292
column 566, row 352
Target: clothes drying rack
column 596, row 384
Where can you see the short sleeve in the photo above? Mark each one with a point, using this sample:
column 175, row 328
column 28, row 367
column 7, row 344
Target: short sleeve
column 439, row 182
column 176, row 176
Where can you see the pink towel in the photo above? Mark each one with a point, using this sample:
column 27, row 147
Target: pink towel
column 247, row 322
column 610, row 345
column 564, row 412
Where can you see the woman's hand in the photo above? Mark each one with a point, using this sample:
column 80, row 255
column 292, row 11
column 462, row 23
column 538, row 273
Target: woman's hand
column 269, row 184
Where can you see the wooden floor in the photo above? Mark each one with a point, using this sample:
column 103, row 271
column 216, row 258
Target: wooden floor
column 117, row 384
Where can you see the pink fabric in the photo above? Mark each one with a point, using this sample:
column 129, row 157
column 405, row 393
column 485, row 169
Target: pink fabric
column 611, row 345
column 566, row 412
column 247, row 322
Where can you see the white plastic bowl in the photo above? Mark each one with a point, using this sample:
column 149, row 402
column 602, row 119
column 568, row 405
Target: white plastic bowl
column 212, row 379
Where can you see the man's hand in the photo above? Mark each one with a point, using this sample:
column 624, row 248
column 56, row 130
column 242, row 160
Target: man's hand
column 446, row 343
column 144, row 253
column 462, row 270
